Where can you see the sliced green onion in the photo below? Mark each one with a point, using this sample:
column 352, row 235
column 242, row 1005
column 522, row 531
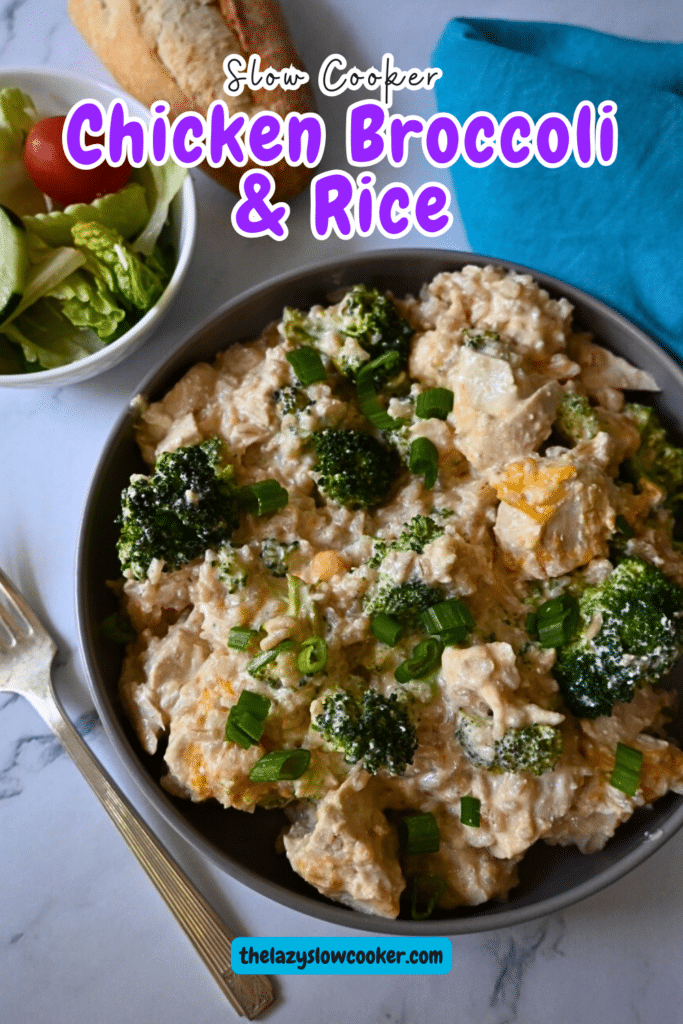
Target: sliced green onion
column 263, row 498
column 386, row 629
column 367, row 374
column 368, row 402
column 307, row 365
column 629, row 757
column 627, row 765
column 419, row 833
column 424, row 459
column 370, row 406
column 240, row 638
column 312, row 656
column 245, row 730
column 403, row 673
column 388, row 360
column 426, row 891
column 434, row 403
column 425, row 657
column 281, row 766
column 470, row 807
column 551, row 635
column 556, row 620
column 265, row 657
column 293, row 596
column 365, row 382
column 451, row 620
column 246, row 720
column 255, row 703
column 625, row 781
column 453, row 636
column 117, row 629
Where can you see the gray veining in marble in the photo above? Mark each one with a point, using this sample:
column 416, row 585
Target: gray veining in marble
column 35, row 752
column 516, row 956
column 83, row 936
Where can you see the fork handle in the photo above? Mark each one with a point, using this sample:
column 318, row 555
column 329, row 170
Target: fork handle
column 249, row 994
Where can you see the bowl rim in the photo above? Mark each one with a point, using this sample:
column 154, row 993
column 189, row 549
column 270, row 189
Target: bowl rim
column 110, row 354
column 481, row 918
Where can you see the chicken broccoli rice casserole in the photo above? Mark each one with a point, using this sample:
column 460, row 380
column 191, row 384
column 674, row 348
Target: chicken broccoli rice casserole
column 408, row 568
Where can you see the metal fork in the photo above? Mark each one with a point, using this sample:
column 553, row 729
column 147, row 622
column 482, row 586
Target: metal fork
column 26, row 653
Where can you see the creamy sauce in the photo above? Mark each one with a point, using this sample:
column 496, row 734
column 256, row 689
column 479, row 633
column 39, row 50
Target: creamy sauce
column 513, row 517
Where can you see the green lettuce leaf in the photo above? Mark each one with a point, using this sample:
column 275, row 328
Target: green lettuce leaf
column 161, row 185
column 55, row 265
column 123, row 271
column 125, row 211
column 47, row 339
column 162, row 261
column 17, row 116
column 87, row 302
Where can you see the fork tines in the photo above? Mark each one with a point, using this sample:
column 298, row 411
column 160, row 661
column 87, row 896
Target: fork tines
column 15, row 624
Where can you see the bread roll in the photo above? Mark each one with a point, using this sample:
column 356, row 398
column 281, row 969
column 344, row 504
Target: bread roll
column 174, row 50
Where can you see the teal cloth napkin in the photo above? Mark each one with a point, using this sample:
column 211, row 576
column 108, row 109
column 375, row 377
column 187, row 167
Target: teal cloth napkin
column 617, row 231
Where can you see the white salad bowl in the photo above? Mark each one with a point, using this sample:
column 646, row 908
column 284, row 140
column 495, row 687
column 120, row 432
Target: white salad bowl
column 55, row 92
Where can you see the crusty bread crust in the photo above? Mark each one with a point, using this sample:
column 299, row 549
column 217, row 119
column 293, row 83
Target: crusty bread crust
column 260, row 28
column 113, row 29
column 119, row 33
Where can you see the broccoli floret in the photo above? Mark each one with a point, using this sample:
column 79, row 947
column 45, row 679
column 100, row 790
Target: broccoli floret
column 354, row 469
column 299, row 327
column 376, row 328
column 338, row 723
column 275, row 555
column 379, row 553
column 186, row 506
column 365, row 315
column 400, row 438
column 640, row 637
column 267, row 676
column 487, row 342
column 475, row 736
column 656, row 459
column 403, row 601
column 418, row 533
column 290, row 399
column 229, row 569
column 390, row 737
column 372, row 318
column 576, row 420
column 376, row 729
column 531, row 748
column 414, row 536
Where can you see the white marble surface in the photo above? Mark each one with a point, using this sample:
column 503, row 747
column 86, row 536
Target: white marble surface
column 83, row 935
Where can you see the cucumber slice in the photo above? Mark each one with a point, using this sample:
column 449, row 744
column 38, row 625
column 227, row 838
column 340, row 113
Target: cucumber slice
column 13, row 261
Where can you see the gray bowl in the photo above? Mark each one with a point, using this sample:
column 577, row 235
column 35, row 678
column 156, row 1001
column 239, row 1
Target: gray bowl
column 244, row 844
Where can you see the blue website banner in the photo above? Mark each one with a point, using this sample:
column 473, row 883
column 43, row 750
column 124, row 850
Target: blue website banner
column 293, row 955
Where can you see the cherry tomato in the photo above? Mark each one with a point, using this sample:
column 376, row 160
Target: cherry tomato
column 51, row 172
